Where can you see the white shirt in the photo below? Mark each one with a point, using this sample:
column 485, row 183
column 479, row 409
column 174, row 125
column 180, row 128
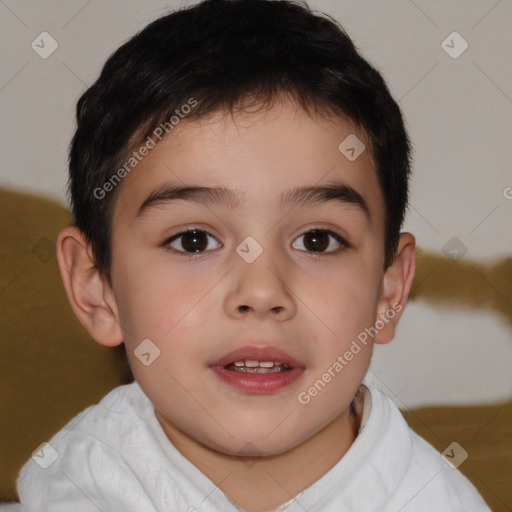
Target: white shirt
column 115, row 457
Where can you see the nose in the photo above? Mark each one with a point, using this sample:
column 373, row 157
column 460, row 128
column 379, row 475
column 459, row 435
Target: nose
column 261, row 289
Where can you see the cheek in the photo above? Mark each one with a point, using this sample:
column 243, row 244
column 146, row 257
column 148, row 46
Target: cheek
column 193, row 319
column 171, row 313
column 345, row 304
column 162, row 295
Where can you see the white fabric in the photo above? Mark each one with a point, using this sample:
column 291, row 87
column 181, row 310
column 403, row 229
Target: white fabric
column 10, row 507
column 115, row 457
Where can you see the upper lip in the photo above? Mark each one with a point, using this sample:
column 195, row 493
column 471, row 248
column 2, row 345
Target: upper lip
column 258, row 353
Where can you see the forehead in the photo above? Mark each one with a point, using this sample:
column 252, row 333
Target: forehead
column 260, row 155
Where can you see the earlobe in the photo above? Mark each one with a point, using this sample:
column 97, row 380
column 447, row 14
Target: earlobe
column 88, row 293
column 396, row 285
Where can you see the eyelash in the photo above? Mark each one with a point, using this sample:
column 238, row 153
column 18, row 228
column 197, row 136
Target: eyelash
column 188, row 255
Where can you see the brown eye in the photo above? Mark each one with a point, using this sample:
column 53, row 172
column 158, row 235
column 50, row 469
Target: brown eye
column 318, row 240
column 191, row 241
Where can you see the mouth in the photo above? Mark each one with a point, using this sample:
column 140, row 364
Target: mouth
column 258, row 370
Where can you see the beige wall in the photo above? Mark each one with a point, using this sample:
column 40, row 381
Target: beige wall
column 458, row 112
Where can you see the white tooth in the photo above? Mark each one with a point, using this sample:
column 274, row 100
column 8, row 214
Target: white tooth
column 266, row 364
column 239, row 363
column 251, row 364
column 278, row 363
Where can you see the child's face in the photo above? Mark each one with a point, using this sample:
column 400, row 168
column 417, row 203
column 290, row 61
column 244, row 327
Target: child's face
column 196, row 311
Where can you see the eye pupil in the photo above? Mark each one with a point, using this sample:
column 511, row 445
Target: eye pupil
column 194, row 241
column 319, row 239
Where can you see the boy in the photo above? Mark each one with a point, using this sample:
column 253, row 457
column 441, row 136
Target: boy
column 255, row 128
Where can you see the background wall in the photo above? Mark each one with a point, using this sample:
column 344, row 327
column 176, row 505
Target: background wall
column 457, row 104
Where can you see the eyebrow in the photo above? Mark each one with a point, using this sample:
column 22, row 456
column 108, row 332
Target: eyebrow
column 232, row 198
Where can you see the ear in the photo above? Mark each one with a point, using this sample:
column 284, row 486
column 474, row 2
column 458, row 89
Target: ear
column 89, row 293
column 395, row 288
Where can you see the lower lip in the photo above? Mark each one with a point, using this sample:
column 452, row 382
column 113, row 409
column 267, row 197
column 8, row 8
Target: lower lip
column 257, row 383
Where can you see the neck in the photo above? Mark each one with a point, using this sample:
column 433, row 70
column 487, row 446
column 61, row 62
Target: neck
column 281, row 476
